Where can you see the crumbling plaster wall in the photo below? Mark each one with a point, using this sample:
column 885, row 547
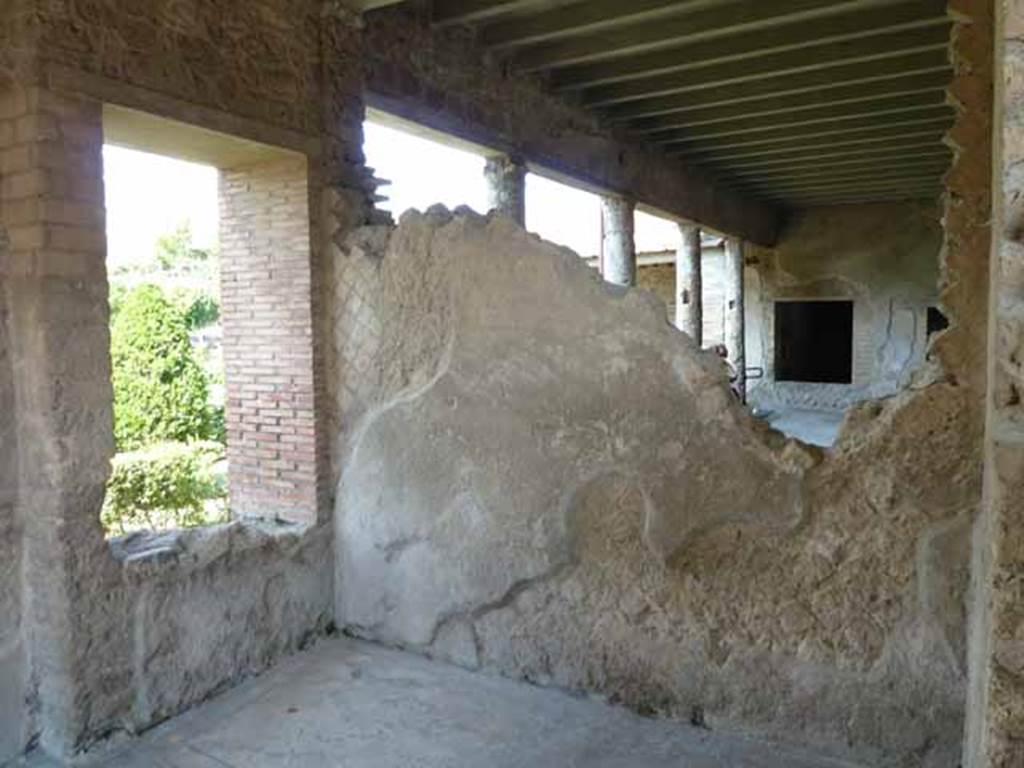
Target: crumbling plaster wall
column 882, row 257
column 542, row 478
column 642, row 537
column 123, row 634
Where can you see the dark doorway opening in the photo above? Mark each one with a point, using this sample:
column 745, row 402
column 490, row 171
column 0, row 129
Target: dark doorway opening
column 937, row 322
column 814, row 341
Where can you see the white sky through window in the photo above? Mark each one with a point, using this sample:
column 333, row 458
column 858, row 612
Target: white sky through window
column 148, row 196
column 423, row 172
column 564, row 214
column 653, row 233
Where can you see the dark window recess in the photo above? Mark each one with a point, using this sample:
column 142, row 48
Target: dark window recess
column 814, row 341
column 937, row 322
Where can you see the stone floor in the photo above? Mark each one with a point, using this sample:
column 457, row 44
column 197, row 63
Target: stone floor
column 347, row 704
column 807, row 424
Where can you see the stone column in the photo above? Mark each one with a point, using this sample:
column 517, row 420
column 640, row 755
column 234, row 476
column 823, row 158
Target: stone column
column 618, row 251
column 734, row 325
column 506, row 185
column 689, row 300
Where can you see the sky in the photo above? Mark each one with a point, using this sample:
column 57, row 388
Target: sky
column 136, row 216
column 423, row 173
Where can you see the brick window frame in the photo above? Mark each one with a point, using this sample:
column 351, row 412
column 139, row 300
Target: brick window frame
column 267, row 314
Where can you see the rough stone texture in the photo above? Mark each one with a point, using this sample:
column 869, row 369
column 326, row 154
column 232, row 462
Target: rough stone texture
column 18, row 33
column 119, row 636
column 538, row 485
column 208, row 607
column 260, row 60
column 443, row 79
column 14, row 694
column 966, row 220
column 995, row 725
column 884, row 258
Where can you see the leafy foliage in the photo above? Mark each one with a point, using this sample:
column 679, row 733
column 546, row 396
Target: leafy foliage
column 160, row 390
column 116, row 298
column 203, row 310
column 167, row 485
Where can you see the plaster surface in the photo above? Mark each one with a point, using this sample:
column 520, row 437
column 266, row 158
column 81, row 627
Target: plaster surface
column 885, row 258
column 353, row 704
column 541, row 477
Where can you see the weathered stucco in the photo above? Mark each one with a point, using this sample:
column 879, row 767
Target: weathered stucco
column 885, row 259
column 553, row 483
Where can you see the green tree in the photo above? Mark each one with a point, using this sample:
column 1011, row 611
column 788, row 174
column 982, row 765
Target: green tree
column 160, row 390
column 202, row 311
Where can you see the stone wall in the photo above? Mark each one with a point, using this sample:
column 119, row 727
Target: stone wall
column 548, row 481
column 258, row 60
column 885, row 259
column 14, row 678
column 266, row 293
column 660, row 279
column 123, row 634
column 995, row 726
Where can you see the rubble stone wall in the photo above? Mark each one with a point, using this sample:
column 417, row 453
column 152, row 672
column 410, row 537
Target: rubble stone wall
column 995, row 725
column 122, row 634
